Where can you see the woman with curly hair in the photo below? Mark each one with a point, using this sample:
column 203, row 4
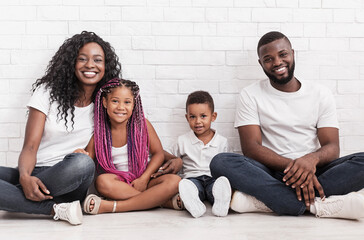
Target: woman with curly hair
column 50, row 179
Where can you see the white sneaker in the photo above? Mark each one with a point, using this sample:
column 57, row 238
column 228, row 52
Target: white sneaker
column 349, row 206
column 70, row 212
column 242, row 203
column 189, row 195
column 361, row 191
column 222, row 196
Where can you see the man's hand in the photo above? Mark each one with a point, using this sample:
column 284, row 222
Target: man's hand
column 299, row 173
column 171, row 166
column 309, row 192
column 34, row 189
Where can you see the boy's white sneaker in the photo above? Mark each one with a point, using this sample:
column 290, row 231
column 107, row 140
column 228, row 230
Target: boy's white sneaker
column 70, row 212
column 349, row 206
column 189, row 195
column 222, row 196
column 242, row 203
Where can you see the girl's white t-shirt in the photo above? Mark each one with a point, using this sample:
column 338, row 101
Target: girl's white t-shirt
column 57, row 140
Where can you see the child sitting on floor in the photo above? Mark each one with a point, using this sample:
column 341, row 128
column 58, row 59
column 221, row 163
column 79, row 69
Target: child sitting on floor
column 122, row 143
column 197, row 148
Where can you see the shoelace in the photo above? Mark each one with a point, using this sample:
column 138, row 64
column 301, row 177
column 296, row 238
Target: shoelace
column 259, row 205
column 60, row 211
column 328, row 208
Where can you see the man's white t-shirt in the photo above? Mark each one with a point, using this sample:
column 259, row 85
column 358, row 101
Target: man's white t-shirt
column 288, row 121
column 57, row 140
column 196, row 156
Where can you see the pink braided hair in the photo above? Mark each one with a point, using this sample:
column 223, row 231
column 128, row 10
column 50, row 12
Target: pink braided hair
column 137, row 139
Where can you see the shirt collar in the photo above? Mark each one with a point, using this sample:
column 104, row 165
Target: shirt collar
column 195, row 140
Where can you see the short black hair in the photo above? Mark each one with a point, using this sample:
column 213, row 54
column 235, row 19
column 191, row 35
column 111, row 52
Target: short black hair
column 200, row 97
column 270, row 37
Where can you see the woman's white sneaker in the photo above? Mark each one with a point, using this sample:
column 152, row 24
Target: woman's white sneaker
column 70, row 212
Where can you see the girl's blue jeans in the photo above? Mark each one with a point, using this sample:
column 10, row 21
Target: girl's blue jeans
column 67, row 181
column 341, row 176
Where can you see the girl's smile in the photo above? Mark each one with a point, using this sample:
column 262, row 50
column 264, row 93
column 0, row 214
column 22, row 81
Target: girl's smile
column 119, row 104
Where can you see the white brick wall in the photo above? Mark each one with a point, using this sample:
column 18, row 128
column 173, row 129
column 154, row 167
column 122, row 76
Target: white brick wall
column 173, row 47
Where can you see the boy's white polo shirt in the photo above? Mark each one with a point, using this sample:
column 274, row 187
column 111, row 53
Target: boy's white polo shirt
column 196, row 155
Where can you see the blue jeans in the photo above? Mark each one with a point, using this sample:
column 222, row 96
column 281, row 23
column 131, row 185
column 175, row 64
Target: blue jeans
column 67, row 181
column 204, row 185
column 341, row 176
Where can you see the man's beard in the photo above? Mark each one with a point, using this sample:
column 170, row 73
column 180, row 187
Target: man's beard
column 282, row 81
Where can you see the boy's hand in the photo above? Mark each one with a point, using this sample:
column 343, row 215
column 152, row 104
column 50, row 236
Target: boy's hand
column 171, row 166
column 80, row 150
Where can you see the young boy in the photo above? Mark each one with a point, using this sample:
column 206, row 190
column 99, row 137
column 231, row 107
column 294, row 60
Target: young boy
column 197, row 148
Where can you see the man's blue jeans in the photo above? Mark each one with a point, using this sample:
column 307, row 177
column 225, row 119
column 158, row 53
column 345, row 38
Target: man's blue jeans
column 67, row 181
column 341, row 176
column 204, row 185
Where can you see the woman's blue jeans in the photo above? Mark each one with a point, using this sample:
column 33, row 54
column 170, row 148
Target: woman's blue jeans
column 67, row 181
column 341, row 176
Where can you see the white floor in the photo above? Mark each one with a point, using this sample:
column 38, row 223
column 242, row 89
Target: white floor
column 169, row 224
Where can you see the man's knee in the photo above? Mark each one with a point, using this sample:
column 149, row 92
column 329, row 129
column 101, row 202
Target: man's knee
column 221, row 163
column 217, row 161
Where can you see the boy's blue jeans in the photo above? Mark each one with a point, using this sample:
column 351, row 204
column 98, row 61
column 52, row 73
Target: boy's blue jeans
column 204, row 185
column 341, row 176
column 67, row 181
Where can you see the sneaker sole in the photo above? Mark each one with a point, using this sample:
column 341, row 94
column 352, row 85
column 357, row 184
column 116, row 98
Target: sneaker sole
column 222, row 196
column 189, row 195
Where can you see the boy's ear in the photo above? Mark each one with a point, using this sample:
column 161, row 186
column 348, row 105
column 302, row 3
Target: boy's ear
column 186, row 117
column 214, row 116
column 104, row 102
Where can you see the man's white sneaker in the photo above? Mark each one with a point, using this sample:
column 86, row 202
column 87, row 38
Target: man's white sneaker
column 70, row 212
column 361, row 191
column 189, row 195
column 242, row 203
column 222, row 196
column 349, row 206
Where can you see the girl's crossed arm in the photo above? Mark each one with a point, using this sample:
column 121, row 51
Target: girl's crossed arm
column 157, row 158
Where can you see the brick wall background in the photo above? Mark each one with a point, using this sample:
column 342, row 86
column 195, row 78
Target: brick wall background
column 173, row 47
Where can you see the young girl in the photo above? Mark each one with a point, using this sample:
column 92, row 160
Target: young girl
column 123, row 140
column 48, row 179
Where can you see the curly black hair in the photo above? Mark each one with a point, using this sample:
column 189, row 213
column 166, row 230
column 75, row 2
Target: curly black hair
column 200, row 97
column 60, row 75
